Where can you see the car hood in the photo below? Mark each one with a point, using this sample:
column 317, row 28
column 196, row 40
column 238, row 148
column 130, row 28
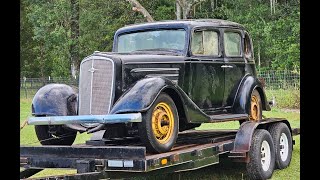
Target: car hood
column 143, row 57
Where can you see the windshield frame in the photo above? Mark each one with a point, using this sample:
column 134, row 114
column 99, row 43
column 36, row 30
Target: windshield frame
column 183, row 52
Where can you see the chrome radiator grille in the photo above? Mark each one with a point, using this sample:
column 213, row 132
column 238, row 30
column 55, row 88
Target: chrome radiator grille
column 96, row 86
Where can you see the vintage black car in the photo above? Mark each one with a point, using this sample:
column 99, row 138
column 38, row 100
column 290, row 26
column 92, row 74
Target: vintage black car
column 159, row 79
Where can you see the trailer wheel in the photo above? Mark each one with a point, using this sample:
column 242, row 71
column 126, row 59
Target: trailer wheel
column 262, row 155
column 255, row 112
column 282, row 140
column 160, row 124
column 62, row 136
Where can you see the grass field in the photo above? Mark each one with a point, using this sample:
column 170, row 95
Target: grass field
column 224, row 170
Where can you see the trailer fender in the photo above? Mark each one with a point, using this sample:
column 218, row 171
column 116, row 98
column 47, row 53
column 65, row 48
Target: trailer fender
column 242, row 99
column 244, row 135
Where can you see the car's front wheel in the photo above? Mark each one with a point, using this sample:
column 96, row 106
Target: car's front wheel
column 160, row 124
column 55, row 135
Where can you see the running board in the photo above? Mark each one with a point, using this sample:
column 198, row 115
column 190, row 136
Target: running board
column 228, row 117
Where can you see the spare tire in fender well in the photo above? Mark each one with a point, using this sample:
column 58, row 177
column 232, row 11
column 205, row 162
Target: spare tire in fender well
column 56, row 100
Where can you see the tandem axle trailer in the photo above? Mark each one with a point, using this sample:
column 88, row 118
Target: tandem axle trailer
column 194, row 149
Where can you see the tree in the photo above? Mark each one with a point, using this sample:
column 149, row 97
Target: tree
column 136, row 6
column 186, row 6
column 57, row 35
column 74, row 45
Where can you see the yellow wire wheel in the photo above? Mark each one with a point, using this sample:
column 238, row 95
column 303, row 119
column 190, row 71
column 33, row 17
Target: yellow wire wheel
column 255, row 109
column 159, row 128
column 162, row 122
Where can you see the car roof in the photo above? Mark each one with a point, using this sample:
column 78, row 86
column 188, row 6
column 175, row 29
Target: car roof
column 180, row 24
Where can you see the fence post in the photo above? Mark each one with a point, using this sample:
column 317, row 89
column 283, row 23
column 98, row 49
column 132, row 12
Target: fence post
column 25, row 87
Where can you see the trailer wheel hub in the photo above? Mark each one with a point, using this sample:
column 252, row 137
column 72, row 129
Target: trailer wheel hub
column 284, row 147
column 265, row 155
column 162, row 122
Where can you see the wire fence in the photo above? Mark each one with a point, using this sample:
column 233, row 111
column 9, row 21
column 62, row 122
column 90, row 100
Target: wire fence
column 274, row 80
column 30, row 86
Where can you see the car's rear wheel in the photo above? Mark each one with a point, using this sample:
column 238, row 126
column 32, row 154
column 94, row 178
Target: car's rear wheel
column 255, row 112
column 160, row 124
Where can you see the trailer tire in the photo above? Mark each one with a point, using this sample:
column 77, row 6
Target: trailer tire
column 160, row 125
column 261, row 147
column 46, row 138
column 282, row 140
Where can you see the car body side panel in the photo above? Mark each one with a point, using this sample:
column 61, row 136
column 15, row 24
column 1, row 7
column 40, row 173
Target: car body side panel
column 207, row 84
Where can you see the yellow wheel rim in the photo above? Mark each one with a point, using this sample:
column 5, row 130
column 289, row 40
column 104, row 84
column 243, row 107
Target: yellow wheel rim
column 255, row 109
column 162, row 122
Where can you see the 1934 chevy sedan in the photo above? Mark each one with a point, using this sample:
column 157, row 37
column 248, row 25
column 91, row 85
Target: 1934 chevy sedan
column 159, row 79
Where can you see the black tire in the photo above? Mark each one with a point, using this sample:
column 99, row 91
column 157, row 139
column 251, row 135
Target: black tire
column 283, row 145
column 46, row 138
column 146, row 133
column 255, row 167
column 256, row 94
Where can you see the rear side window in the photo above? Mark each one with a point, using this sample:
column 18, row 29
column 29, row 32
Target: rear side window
column 232, row 43
column 205, row 43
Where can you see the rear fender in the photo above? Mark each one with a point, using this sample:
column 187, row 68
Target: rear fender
column 242, row 101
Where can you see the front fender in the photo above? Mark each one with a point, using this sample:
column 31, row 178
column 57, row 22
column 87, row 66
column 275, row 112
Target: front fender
column 242, row 101
column 142, row 95
column 56, row 100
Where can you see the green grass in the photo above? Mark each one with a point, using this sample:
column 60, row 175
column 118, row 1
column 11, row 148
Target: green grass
column 289, row 98
column 224, row 170
column 28, row 137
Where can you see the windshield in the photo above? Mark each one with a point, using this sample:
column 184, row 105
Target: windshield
column 152, row 40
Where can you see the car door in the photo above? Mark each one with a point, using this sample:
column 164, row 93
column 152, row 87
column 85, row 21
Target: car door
column 234, row 64
column 206, row 77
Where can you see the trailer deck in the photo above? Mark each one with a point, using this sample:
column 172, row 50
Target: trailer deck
column 119, row 158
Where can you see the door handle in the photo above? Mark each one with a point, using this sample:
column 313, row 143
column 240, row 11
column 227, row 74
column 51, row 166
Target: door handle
column 226, row 66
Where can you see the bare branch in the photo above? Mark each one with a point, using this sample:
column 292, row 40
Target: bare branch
column 136, row 6
column 195, row 2
column 180, row 2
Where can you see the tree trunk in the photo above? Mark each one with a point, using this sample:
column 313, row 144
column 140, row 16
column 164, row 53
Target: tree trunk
column 259, row 62
column 42, row 60
column 185, row 12
column 271, row 1
column 136, row 6
column 178, row 10
column 186, row 6
column 74, row 47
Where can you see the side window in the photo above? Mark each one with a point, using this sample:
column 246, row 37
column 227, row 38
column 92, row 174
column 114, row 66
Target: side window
column 205, row 43
column 247, row 47
column 232, row 43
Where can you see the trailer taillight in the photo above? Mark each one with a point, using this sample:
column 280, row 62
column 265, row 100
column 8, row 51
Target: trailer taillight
column 164, row 161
